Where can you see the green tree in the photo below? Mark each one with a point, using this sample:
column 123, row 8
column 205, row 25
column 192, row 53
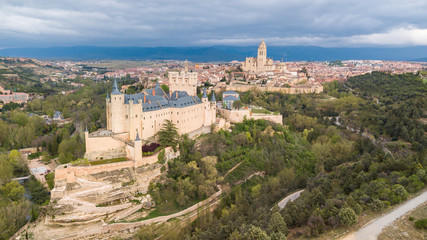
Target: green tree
column 278, row 236
column 165, row 88
column 6, row 169
column 237, row 104
column 277, row 224
column 347, row 216
column 235, row 235
column 50, row 178
column 13, row 191
column 168, row 135
column 255, row 233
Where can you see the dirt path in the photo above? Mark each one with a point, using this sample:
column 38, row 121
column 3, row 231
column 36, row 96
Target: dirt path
column 262, row 173
column 232, row 169
column 374, row 228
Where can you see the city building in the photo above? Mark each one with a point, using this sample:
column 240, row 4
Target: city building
column 7, row 96
column 229, row 97
column 261, row 63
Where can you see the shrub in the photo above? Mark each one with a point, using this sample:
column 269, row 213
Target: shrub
column 422, row 223
column 50, row 178
column 161, row 157
column 150, row 147
column 411, row 219
column 347, row 216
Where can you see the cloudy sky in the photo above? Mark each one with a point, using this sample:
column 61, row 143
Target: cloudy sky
column 331, row 23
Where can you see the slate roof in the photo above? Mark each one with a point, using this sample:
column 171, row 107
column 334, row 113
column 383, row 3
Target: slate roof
column 115, row 88
column 156, row 99
column 230, row 92
column 230, row 98
column 213, row 99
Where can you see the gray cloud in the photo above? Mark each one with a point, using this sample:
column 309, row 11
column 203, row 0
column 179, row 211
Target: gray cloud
column 230, row 22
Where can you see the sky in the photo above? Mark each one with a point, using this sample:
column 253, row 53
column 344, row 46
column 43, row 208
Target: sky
column 178, row 23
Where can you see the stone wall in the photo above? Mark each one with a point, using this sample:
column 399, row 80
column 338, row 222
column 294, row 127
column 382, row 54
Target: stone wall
column 302, row 89
column 104, row 146
column 236, row 116
column 69, row 172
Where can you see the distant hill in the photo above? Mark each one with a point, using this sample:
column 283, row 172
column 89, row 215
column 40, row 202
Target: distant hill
column 420, row 59
column 218, row 53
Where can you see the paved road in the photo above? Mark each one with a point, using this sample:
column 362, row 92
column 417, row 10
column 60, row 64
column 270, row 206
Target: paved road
column 373, row 229
column 289, row 198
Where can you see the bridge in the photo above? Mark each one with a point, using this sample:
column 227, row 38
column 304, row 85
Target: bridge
column 21, row 178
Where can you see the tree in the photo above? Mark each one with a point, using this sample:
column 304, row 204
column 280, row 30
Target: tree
column 278, row 236
column 237, row 104
column 255, row 233
column 165, row 88
column 12, row 190
column 277, row 224
column 347, row 216
column 235, row 235
column 168, row 135
column 16, row 159
column 316, row 225
column 6, row 170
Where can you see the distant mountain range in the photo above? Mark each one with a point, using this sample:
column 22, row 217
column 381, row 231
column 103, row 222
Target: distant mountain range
column 219, row 53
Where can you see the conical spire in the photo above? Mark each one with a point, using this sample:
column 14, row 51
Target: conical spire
column 157, row 84
column 115, row 87
column 137, row 137
column 204, row 93
column 86, row 129
column 108, row 95
column 213, row 99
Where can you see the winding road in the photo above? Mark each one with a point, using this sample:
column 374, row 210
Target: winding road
column 374, row 228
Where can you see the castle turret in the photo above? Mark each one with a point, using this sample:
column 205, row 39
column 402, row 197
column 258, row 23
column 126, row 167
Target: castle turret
column 115, row 88
column 213, row 99
column 137, row 143
column 205, row 96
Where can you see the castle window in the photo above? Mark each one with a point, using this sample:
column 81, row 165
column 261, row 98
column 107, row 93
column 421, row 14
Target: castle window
column 127, row 116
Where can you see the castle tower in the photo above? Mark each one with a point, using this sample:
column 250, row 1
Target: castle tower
column 116, row 110
column 262, row 55
column 183, row 81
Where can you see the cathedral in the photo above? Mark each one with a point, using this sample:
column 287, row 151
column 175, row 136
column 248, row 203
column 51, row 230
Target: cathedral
column 261, row 63
column 138, row 117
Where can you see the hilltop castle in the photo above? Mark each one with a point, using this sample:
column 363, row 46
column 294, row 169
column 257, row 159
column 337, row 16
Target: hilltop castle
column 137, row 117
column 261, row 63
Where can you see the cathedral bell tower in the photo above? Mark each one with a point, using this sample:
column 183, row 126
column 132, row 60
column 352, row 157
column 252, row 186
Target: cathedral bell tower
column 262, row 54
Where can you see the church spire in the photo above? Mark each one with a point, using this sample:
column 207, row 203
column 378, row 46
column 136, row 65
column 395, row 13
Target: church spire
column 137, row 137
